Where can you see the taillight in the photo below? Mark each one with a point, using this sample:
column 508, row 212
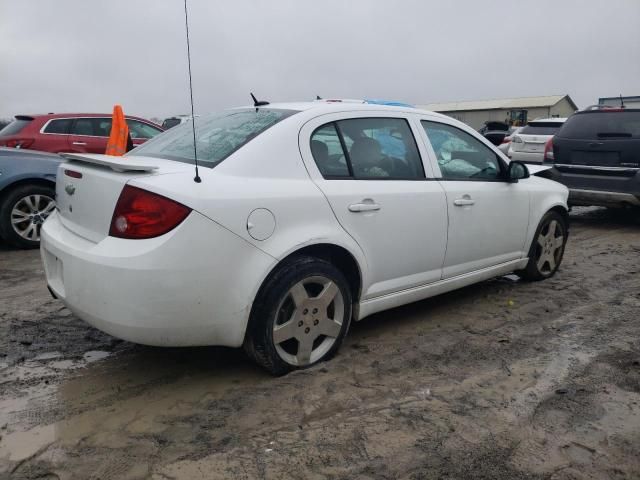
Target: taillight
column 517, row 140
column 506, row 140
column 142, row 214
column 19, row 142
column 548, row 151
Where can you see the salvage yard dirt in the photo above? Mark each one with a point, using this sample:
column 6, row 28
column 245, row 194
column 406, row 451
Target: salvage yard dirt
column 501, row 380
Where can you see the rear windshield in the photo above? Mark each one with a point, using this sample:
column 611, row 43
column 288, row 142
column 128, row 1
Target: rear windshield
column 170, row 123
column 217, row 136
column 14, row 127
column 602, row 125
column 541, row 128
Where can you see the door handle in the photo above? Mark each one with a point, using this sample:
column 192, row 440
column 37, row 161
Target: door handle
column 79, row 143
column 364, row 207
column 464, row 201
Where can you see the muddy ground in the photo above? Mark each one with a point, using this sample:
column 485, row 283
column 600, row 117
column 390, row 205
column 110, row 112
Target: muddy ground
column 501, row 380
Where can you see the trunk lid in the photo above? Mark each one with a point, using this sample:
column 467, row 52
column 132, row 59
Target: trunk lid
column 88, row 187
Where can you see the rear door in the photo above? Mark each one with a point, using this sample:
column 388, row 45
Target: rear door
column 369, row 167
column 54, row 135
column 90, row 134
column 599, row 150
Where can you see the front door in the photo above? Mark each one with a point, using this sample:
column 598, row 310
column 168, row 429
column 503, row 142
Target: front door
column 488, row 217
column 371, row 172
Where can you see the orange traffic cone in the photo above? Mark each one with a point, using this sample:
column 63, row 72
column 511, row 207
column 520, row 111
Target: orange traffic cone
column 119, row 139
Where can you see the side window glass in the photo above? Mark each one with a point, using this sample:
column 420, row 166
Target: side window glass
column 83, row 126
column 141, row 130
column 327, row 152
column 102, row 127
column 381, row 148
column 459, row 155
column 58, row 126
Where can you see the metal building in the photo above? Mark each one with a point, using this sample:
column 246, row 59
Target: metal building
column 629, row 102
column 515, row 111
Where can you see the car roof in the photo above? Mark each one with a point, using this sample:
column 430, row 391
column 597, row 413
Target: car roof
column 549, row 120
column 74, row 115
column 320, row 107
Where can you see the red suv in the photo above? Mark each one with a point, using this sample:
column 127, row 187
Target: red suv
column 70, row 132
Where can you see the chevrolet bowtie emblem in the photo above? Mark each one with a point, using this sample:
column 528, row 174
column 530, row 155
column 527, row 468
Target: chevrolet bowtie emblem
column 70, row 189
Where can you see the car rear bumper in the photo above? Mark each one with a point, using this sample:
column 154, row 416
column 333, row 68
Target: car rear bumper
column 526, row 157
column 599, row 185
column 604, row 199
column 192, row 286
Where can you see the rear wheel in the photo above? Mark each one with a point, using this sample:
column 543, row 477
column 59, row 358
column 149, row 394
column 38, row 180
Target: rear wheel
column 547, row 249
column 23, row 211
column 300, row 316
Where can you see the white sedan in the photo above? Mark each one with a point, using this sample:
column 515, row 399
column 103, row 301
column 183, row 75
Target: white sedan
column 307, row 216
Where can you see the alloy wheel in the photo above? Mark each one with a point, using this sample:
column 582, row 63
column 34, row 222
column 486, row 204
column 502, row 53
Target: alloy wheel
column 308, row 321
column 550, row 246
column 28, row 215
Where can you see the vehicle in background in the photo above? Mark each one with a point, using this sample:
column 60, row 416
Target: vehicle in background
column 596, row 154
column 528, row 144
column 494, row 131
column 27, row 192
column 504, row 146
column 307, row 215
column 175, row 121
column 71, row 132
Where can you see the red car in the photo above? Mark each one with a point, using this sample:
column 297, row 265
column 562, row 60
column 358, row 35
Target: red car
column 70, row 132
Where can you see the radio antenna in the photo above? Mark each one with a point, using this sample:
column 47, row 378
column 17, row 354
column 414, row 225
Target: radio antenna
column 197, row 178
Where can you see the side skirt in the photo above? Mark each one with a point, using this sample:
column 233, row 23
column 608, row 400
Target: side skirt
column 396, row 299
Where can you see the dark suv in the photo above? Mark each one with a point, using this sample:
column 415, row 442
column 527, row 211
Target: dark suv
column 596, row 154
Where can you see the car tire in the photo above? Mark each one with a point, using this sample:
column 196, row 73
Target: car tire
column 300, row 316
column 547, row 248
column 34, row 203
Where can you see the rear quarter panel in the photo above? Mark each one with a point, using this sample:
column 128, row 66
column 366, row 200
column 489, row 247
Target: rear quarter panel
column 20, row 166
column 267, row 173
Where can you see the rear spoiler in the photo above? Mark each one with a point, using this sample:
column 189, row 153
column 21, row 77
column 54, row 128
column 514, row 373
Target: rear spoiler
column 118, row 164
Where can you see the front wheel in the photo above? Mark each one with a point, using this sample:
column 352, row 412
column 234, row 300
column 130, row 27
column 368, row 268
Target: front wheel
column 300, row 316
column 547, row 249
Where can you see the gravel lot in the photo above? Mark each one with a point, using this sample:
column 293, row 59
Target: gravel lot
column 501, row 380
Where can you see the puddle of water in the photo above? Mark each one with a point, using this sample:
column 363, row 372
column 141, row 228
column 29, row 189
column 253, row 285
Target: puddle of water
column 48, row 356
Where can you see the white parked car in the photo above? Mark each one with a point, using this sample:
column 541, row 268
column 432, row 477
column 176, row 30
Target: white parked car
column 528, row 144
column 506, row 142
column 308, row 215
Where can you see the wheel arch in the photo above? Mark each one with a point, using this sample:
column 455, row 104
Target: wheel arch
column 26, row 181
column 563, row 211
column 338, row 255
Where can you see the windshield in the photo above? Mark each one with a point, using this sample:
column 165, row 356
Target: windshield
column 217, row 136
column 541, row 128
column 602, row 124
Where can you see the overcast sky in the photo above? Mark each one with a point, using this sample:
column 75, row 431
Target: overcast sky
column 86, row 55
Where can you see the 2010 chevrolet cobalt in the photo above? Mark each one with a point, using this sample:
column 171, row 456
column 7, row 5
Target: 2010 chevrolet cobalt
column 308, row 215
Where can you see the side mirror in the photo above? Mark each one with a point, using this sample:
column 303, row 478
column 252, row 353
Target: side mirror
column 517, row 171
